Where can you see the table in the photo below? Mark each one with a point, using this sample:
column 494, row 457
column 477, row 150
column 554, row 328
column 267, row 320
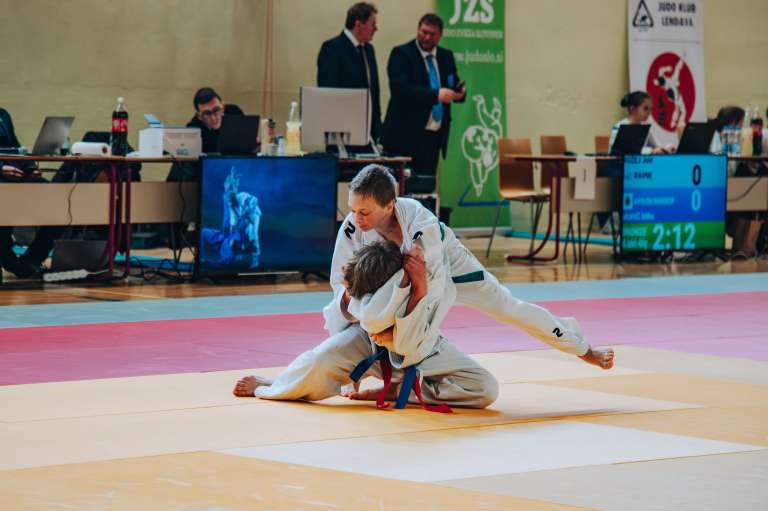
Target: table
column 558, row 172
column 158, row 201
column 119, row 189
column 744, row 194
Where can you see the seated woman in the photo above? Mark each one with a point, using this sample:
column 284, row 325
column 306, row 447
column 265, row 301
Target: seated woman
column 638, row 105
column 742, row 226
column 730, row 117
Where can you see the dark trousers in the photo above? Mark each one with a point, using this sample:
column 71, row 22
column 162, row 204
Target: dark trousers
column 424, row 163
column 426, row 156
column 8, row 258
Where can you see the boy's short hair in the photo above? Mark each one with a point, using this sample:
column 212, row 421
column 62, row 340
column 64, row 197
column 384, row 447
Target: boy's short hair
column 371, row 267
column 375, row 181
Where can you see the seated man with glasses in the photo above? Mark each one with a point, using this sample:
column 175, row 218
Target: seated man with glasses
column 209, row 112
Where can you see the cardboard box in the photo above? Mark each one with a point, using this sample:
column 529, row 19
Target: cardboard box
column 155, row 142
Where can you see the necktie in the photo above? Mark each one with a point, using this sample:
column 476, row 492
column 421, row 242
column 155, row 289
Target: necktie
column 434, row 82
column 364, row 59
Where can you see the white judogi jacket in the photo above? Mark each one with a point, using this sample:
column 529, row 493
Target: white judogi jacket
column 478, row 288
column 416, row 335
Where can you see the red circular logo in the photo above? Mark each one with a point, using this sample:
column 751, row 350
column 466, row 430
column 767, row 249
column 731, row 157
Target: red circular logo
column 670, row 84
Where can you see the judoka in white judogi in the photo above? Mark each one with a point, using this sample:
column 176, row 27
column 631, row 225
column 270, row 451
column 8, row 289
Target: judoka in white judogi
column 475, row 286
column 447, row 375
column 453, row 273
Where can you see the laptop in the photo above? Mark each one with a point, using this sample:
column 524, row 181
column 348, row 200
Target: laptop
column 78, row 255
column 52, row 136
column 630, row 139
column 239, row 134
column 697, row 138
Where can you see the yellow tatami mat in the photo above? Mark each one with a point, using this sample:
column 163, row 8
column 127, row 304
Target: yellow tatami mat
column 71, row 422
column 257, row 422
column 731, row 411
column 147, row 442
column 513, row 448
column 727, row 482
column 89, row 398
column 656, row 360
column 675, row 387
column 209, row 481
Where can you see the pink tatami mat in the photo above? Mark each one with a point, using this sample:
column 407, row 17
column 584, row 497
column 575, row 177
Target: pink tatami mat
column 722, row 324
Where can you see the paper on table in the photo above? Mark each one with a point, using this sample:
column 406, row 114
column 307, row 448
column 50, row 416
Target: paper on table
column 585, row 172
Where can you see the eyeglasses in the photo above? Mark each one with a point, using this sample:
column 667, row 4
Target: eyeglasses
column 210, row 113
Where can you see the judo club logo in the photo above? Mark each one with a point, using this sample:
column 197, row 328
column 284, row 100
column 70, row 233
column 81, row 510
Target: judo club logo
column 479, row 142
column 672, row 89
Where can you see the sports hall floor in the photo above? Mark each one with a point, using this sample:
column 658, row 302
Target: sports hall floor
column 119, row 398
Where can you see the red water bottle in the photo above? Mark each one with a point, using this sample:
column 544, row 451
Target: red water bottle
column 120, row 129
column 757, row 133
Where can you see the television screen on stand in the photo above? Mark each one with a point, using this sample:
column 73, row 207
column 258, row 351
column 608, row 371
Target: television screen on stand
column 266, row 214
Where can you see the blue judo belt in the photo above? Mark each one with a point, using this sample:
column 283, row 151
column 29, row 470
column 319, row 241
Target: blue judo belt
column 410, row 382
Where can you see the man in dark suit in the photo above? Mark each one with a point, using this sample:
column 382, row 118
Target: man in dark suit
column 424, row 82
column 348, row 61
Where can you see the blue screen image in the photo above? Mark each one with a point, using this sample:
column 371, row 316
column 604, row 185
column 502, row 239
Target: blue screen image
column 260, row 214
column 673, row 202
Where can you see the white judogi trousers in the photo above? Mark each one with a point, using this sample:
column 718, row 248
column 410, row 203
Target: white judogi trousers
column 447, row 376
column 479, row 289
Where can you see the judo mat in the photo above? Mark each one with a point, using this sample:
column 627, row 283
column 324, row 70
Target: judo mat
column 116, row 412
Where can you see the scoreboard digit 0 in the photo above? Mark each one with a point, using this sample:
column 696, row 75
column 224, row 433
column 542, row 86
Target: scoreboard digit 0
column 673, row 202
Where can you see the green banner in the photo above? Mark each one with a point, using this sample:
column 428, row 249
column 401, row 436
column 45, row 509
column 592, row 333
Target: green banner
column 469, row 183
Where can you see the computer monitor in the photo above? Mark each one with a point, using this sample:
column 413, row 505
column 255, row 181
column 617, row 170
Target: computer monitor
column 239, row 134
column 697, row 138
column 673, row 202
column 630, row 139
column 266, row 214
column 327, row 111
column 52, row 135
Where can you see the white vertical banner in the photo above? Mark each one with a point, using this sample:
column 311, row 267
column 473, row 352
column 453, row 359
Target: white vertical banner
column 666, row 59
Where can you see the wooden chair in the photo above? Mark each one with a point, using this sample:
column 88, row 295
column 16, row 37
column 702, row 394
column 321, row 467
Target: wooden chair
column 601, row 144
column 555, row 145
column 516, row 183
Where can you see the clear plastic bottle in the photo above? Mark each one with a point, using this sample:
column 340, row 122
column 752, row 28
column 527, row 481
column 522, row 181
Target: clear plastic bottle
column 293, row 131
column 746, row 135
column 726, row 139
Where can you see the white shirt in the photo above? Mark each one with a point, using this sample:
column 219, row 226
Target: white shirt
column 358, row 44
column 432, row 124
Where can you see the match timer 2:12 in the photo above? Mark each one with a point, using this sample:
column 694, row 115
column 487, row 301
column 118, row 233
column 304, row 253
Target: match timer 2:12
column 673, row 202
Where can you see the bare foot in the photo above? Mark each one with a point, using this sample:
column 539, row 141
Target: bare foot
column 246, row 385
column 370, row 394
column 602, row 358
